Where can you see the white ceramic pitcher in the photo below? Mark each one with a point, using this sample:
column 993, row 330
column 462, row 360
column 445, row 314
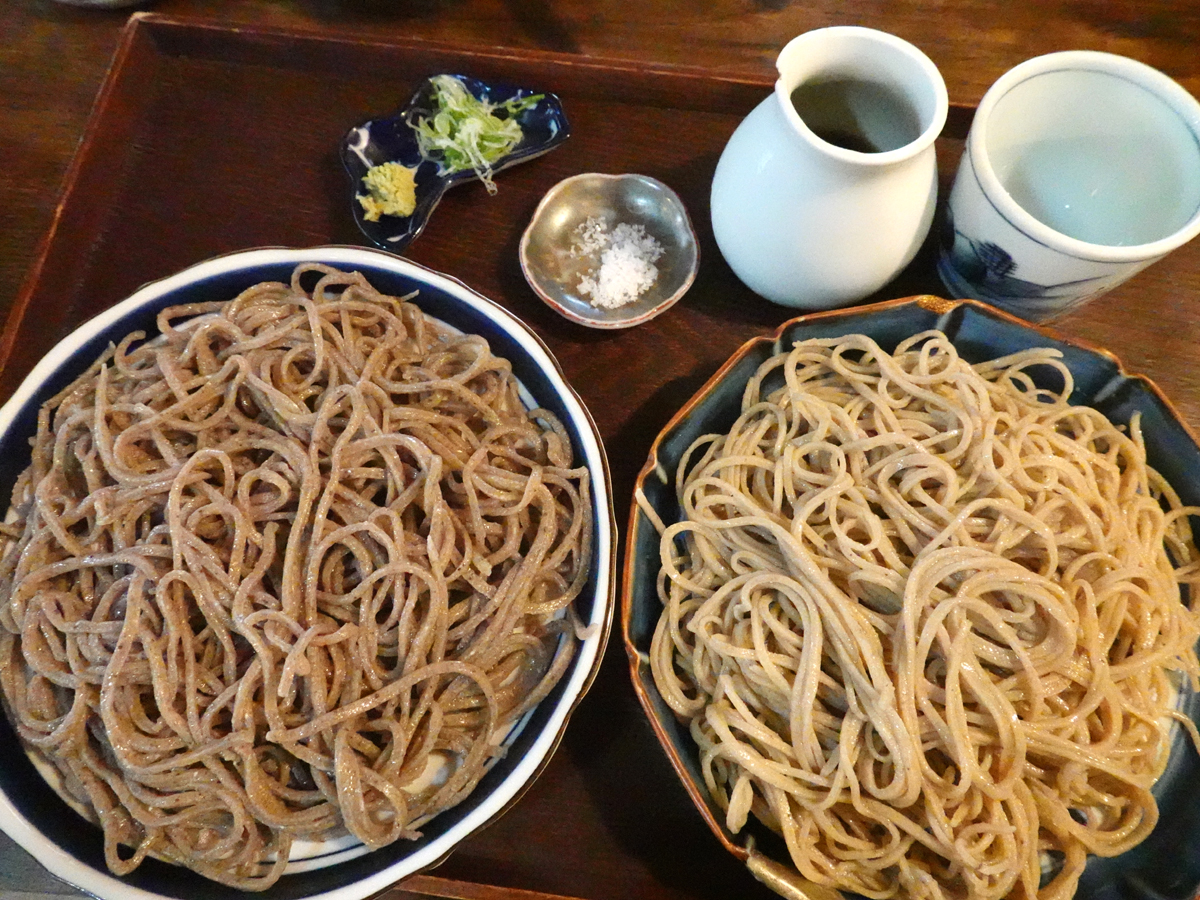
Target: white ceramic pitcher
column 827, row 189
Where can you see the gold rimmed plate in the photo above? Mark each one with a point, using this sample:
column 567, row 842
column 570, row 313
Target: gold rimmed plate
column 979, row 333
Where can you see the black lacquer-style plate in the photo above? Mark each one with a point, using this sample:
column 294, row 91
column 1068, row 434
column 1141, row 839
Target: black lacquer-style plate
column 1166, row 866
column 392, row 139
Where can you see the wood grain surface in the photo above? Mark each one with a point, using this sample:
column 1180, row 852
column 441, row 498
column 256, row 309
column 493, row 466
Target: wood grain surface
column 53, row 56
column 214, row 144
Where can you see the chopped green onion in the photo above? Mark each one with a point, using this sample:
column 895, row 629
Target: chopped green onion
column 465, row 132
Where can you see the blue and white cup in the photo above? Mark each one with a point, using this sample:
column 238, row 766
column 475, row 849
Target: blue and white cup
column 1081, row 169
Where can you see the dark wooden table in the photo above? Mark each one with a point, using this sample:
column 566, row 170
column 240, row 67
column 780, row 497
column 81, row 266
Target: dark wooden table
column 53, row 56
column 608, row 818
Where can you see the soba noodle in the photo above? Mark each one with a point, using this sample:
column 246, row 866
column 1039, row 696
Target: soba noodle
column 925, row 620
column 292, row 569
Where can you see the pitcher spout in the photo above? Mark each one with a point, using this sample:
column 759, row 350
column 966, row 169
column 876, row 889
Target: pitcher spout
column 827, row 189
column 852, row 90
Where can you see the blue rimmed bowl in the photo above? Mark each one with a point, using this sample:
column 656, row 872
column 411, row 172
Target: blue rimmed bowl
column 33, row 814
column 392, row 139
column 979, row 332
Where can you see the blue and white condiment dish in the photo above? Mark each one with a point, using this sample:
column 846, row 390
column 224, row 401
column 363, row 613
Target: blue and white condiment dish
column 392, row 139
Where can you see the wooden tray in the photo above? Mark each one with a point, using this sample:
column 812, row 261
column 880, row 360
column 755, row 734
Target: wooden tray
column 206, row 139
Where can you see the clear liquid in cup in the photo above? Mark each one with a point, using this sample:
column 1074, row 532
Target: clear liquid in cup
column 1098, row 159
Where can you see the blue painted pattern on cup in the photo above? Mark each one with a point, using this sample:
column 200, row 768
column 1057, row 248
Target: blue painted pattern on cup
column 1081, row 169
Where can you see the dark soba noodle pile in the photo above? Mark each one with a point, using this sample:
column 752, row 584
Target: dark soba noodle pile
column 925, row 620
column 290, row 570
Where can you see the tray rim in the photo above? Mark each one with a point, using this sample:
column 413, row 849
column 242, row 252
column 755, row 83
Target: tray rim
column 144, row 28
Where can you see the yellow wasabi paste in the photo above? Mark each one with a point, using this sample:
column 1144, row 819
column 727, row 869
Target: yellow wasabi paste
column 391, row 191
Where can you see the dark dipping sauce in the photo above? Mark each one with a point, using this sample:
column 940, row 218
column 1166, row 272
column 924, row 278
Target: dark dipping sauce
column 855, row 114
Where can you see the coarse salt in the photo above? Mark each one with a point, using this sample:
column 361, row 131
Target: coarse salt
column 627, row 257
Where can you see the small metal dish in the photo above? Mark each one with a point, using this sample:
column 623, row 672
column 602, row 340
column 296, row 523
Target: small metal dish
column 554, row 266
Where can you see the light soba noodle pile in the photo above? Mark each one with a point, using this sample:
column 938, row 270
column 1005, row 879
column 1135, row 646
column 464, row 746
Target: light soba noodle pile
column 290, row 570
column 925, row 621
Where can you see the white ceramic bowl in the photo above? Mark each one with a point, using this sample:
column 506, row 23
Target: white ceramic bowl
column 37, row 819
